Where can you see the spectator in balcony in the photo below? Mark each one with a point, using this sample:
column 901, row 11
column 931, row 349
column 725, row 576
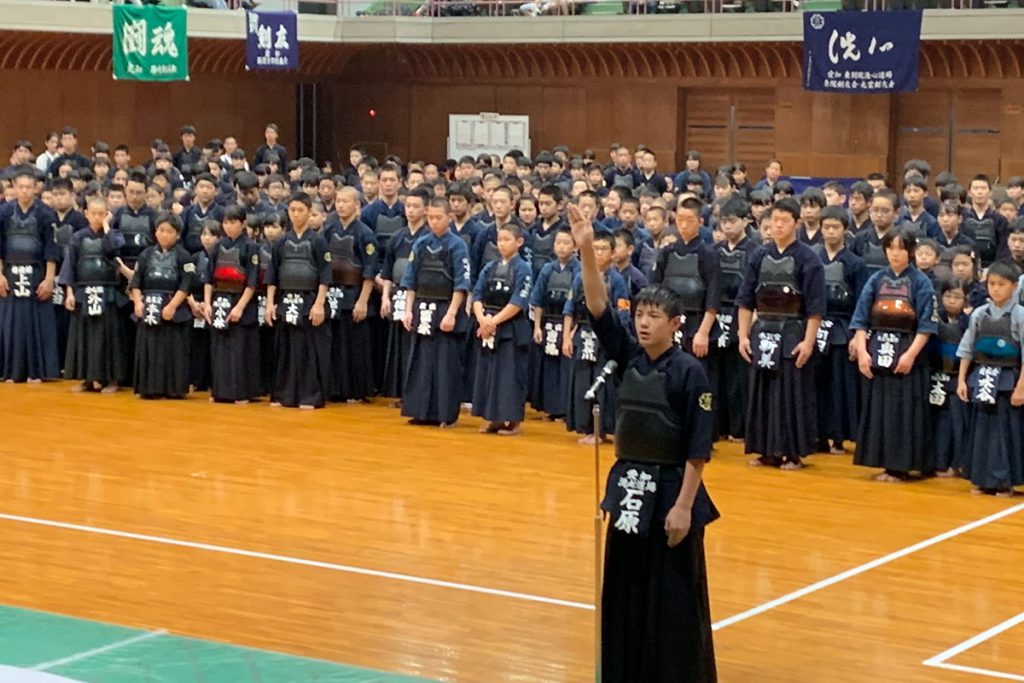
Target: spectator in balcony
column 71, row 155
column 270, row 135
column 189, row 153
column 50, row 153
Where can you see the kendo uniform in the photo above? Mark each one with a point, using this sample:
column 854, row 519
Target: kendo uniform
column 468, row 234
column 299, row 266
column 200, row 372
column 808, row 239
column 838, row 378
column 353, row 260
column 192, row 219
column 589, row 358
column 396, row 263
column 502, row 367
column 785, row 288
column 438, row 267
column 137, row 229
column 946, row 250
column 989, row 232
column 629, row 177
column 551, row 372
column 267, row 334
column 234, row 266
column 67, row 225
column 656, row 616
column 95, row 351
column 161, row 348
column 542, row 244
column 635, row 280
column 950, row 416
column 895, row 425
column 385, row 221
column 925, row 225
column 733, row 371
column 28, row 328
column 691, row 269
column 995, row 452
column 868, row 245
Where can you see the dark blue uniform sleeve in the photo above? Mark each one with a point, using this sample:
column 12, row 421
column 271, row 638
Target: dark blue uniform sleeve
column 813, row 287
column 523, row 285
column 481, row 282
column 252, row 265
column 858, row 274
column 614, row 337
column 862, row 314
column 570, row 303
column 186, row 269
column 924, row 303
column 745, row 297
column 275, row 263
column 369, row 251
column 322, row 258
column 698, row 412
column 461, row 275
column 541, row 285
column 711, row 272
column 412, row 273
column 47, row 226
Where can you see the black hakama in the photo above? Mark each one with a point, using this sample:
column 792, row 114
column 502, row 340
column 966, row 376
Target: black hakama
column 951, row 425
column 129, row 332
column 782, row 416
column 838, row 381
column 733, row 387
column 95, row 346
column 502, row 380
column 351, row 358
column 161, row 359
column 895, row 424
column 469, row 359
column 399, row 347
column 303, row 375
column 200, row 371
column 550, row 379
column 582, row 374
column 28, row 336
column 62, row 321
column 996, row 445
column 380, row 334
column 233, row 355
column 433, row 381
column 656, row 616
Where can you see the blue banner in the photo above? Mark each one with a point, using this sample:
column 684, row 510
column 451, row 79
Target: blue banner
column 271, row 40
column 861, row 52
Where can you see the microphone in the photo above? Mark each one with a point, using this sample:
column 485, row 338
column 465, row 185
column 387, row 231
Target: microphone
column 607, row 371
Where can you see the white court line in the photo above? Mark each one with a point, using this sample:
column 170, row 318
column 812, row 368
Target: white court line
column 981, row 672
column 297, row 560
column 975, row 641
column 866, row 567
column 729, row 621
column 53, row 664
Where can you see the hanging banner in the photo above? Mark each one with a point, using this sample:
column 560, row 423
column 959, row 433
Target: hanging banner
column 271, row 40
column 861, row 52
column 150, row 43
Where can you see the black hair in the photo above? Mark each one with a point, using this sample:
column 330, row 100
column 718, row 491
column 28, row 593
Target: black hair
column 207, row 177
column 836, row 213
column 661, row 209
column 389, row 167
column 956, row 193
column 61, row 184
column 887, row 195
column 961, row 250
column 1005, row 270
column 929, row 243
column 514, row 228
column 906, row 237
column 690, row 204
column 213, row 227
column 422, row 192
column 919, row 166
column 514, row 183
column 864, row 189
column 915, row 180
column 982, row 178
column 630, row 199
column 1015, row 181
column 436, row 202
column 235, row 212
column 661, row 298
column 503, row 188
column 626, row 236
column 605, row 236
column 246, row 180
column 948, row 284
column 462, row 189
column 1016, row 226
column 787, row 205
column 945, row 178
column 813, row 195
column 785, row 187
column 551, row 190
column 952, row 208
column 735, row 206
column 169, row 219
column 301, row 198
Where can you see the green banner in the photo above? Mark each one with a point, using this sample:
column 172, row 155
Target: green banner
column 150, row 43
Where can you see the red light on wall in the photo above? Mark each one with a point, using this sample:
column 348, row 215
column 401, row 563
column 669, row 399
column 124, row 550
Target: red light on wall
column 373, row 113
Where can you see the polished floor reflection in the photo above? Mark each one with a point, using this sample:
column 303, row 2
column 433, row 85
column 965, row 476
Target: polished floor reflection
column 347, row 535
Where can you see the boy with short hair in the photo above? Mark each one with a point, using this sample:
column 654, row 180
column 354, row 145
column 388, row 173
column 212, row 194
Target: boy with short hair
column 622, row 258
column 912, row 214
column 984, row 224
column 550, row 292
column 812, row 201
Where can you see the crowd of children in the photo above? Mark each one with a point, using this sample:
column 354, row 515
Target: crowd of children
column 839, row 314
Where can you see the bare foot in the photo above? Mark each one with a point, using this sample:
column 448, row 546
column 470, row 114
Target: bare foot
column 734, row 439
column 448, row 425
column 33, row 380
column 946, row 474
column 976, row 491
column 513, row 429
column 395, row 404
column 587, row 440
column 887, row 478
column 756, row 462
column 243, row 402
column 109, row 389
column 1006, row 493
column 306, row 406
column 835, row 450
column 80, row 388
column 275, row 404
column 211, row 400
column 790, row 466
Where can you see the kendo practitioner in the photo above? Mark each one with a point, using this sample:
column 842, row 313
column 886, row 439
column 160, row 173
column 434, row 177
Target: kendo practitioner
column 656, row 617
column 785, row 284
column 135, row 222
column 868, row 242
column 160, row 285
column 500, row 302
column 690, row 268
column 204, row 207
column 393, row 298
column 95, row 337
column 200, row 373
column 548, row 297
column 542, row 240
column 991, row 380
column 580, row 344
column 950, row 416
column 69, row 221
column 838, row 381
column 28, row 271
column 485, row 246
column 270, row 233
column 353, row 269
column 436, row 283
column 229, row 304
column 893, row 321
column 733, row 372
column 385, row 216
column 297, row 281
column 982, row 223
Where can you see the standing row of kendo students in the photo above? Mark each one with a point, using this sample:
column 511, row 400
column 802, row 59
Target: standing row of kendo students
column 816, row 324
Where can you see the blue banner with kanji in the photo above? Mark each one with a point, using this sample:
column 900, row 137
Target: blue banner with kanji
column 272, row 40
column 861, row 52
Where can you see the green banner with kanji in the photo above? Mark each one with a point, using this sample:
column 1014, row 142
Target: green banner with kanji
column 150, row 43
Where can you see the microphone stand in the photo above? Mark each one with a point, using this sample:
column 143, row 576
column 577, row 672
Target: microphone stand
column 595, row 412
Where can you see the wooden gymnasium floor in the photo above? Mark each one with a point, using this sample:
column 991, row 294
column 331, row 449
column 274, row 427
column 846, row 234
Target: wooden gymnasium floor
column 347, row 536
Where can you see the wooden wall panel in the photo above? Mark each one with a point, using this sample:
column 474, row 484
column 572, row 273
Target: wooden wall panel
column 134, row 113
column 977, row 118
column 922, row 128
